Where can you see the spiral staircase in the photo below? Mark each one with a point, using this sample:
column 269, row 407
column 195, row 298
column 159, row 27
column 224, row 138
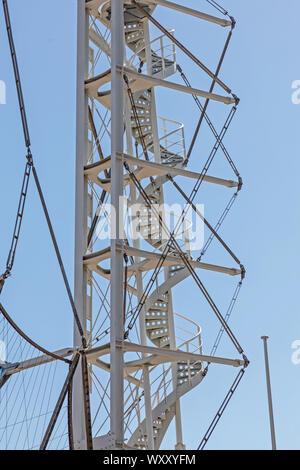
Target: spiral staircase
column 159, row 316
column 188, row 375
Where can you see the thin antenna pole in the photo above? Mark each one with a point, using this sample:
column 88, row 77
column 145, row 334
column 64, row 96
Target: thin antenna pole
column 272, row 426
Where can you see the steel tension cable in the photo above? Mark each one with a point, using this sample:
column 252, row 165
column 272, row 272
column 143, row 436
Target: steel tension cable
column 30, row 166
column 188, row 266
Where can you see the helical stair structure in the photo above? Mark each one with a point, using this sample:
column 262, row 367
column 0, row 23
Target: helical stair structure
column 161, row 350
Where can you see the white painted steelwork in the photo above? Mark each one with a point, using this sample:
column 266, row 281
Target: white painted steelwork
column 138, row 371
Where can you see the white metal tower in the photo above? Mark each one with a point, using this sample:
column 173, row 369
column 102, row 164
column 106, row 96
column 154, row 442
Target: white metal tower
column 134, row 125
column 137, row 356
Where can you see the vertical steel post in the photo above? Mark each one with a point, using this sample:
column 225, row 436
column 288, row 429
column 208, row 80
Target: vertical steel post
column 146, row 375
column 157, row 157
column 80, row 219
column 142, row 319
column 117, row 130
column 271, row 414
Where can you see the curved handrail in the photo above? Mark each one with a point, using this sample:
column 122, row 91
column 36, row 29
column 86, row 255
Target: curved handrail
column 143, row 47
column 166, row 405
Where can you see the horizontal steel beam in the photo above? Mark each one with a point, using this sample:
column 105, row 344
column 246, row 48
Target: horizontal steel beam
column 97, row 352
column 93, row 5
column 38, row 361
column 151, row 258
column 167, row 355
column 190, row 11
column 146, row 169
column 160, row 356
column 142, row 82
column 171, row 85
column 172, row 261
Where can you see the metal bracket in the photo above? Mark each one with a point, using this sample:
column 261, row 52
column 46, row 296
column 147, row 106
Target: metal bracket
column 4, row 367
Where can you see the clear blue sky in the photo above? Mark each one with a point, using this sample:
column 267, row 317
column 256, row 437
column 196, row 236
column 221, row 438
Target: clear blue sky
column 263, row 228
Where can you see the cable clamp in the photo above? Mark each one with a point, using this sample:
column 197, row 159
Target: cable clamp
column 141, row 66
column 5, row 275
column 84, row 342
column 243, row 272
column 240, row 181
column 246, row 360
column 236, row 98
column 204, row 373
column 233, row 21
column 126, row 79
column 29, row 157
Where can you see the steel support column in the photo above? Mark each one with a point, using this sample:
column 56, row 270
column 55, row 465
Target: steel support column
column 80, row 215
column 117, row 130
